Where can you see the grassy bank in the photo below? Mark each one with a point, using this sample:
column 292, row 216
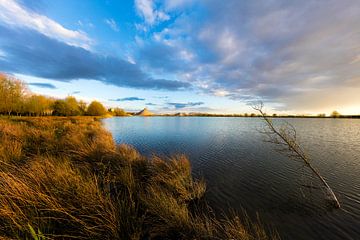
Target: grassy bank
column 63, row 178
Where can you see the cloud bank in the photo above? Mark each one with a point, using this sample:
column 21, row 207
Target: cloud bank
column 29, row 52
column 277, row 51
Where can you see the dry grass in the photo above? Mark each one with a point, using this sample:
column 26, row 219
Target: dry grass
column 64, row 178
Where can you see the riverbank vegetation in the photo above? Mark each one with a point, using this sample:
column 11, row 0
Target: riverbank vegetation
column 17, row 100
column 65, row 178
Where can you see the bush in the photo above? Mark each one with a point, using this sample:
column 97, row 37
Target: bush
column 335, row 114
column 96, row 109
column 67, row 107
column 119, row 112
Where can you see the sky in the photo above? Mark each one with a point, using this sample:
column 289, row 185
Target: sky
column 298, row 57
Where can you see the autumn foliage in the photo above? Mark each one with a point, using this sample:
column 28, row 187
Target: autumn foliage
column 16, row 99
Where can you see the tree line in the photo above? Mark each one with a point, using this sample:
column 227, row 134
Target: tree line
column 17, row 99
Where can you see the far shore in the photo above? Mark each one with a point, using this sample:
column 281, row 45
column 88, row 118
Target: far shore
column 242, row 116
column 188, row 115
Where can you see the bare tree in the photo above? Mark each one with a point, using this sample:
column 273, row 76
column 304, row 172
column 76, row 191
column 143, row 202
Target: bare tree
column 286, row 140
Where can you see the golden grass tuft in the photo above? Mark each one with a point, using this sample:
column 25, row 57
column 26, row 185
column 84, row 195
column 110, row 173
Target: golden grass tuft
column 65, row 178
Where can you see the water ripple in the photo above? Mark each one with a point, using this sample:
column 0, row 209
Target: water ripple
column 244, row 172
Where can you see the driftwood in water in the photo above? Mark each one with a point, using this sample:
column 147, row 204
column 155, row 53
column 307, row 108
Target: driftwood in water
column 285, row 137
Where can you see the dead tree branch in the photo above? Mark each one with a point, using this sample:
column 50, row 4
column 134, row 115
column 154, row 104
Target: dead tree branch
column 286, row 140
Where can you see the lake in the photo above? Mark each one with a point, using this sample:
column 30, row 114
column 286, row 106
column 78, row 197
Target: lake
column 243, row 172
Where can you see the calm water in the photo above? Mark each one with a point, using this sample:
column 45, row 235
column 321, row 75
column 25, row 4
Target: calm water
column 244, row 172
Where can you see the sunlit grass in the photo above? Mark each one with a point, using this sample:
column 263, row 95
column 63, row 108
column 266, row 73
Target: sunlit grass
column 63, row 178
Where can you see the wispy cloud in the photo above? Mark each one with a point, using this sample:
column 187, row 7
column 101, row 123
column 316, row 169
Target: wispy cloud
column 127, row 99
column 147, row 10
column 151, row 104
column 15, row 15
column 43, row 85
column 162, row 97
column 112, row 24
column 178, row 105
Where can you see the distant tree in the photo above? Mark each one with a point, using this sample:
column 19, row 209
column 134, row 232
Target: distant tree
column 82, row 106
column 72, row 106
column 335, row 114
column 274, row 115
column 12, row 92
column 60, row 108
column 38, row 105
column 96, row 109
column 321, row 115
column 66, row 107
column 119, row 112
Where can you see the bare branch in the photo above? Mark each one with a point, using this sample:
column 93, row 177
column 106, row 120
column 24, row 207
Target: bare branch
column 285, row 138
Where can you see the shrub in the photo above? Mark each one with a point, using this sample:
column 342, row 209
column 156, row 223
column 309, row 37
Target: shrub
column 335, row 114
column 119, row 112
column 96, row 109
column 67, row 107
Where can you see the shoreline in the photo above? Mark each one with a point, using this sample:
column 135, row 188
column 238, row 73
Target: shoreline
column 72, row 179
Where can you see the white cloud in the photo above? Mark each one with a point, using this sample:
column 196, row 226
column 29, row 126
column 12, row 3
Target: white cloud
column 151, row 15
column 112, row 24
column 130, row 59
column 14, row 15
column 177, row 4
column 186, row 55
column 2, row 54
column 221, row 93
column 141, row 27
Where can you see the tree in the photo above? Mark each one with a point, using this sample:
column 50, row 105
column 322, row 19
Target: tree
column 82, row 106
column 119, row 112
column 96, row 109
column 335, row 114
column 286, row 140
column 60, row 108
column 72, row 106
column 12, row 92
column 38, row 105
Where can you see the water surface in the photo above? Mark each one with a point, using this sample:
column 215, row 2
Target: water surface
column 244, row 172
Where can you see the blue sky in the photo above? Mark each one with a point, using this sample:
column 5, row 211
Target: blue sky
column 186, row 55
